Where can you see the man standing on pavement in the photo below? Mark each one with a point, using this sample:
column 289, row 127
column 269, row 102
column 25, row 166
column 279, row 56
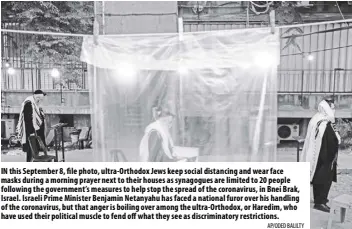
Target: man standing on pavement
column 31, row 121
column 321, row 150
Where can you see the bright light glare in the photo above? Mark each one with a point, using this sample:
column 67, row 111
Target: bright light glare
column 126, row 73
column 55, row 73
column 263, row 59
column 11, row 71
column 7, row 65
column 182, row 70
column 310, row 57
column 126, row 70
column 219, row 71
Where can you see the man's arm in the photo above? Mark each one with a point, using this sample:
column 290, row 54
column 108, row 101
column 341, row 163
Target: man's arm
column 328, row 147
column 28, row 120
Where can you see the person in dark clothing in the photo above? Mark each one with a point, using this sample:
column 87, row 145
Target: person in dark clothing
column 31, row 121
column 323, row 163
column 326, row 171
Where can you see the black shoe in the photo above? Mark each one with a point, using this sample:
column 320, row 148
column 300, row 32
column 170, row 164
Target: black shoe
column 327, row 206
column 322, row 207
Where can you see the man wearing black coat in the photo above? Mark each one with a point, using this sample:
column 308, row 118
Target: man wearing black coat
column 31, row 121
column 321, row 151
column 326, row 171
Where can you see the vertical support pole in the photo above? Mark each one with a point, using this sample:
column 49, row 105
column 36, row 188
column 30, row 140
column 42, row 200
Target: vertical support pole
column 302, row 78
column 247, row 16
column 22, row 75
column 61, row 93
column 62, row 144
column 180, row 28
column 32, row 76
column 39, row 76
column 298, row 150
column 333, row 89
column 335, row 70
column 56, row 150
column 96, row 112
column 272, row 21
column 83, row 83
column 93, row 87
column 256, row 137
column 8, row 81
column 180, row 73
column 103, row 16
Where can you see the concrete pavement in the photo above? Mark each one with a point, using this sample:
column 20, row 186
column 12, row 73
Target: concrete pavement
column 319, row 220
column 86, row 155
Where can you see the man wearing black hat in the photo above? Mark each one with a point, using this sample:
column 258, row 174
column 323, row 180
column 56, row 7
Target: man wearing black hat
column 31, row 121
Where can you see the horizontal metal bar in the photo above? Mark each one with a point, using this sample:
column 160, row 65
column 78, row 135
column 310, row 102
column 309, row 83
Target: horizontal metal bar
column 279, row 92
column 46, row 90
column 159, row 34
column 313, row 92
column 137, row 14
column 212, row 21
column 221, row 6
column 44, row 33
column 310, row 70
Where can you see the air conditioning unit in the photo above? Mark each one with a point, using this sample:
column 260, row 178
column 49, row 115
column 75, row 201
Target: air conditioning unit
column 304, row 4
column 349, row 3
column 287, row 132
column 7, row 128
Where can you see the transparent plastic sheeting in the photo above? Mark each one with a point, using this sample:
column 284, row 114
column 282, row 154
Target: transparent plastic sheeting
column 221, row 85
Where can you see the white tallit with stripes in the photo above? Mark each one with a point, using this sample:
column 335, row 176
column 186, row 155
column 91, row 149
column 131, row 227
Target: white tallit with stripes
column 36, row 119
column 165, row 139
column 315, row 133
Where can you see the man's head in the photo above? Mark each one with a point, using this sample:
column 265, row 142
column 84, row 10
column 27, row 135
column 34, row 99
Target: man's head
column 327, row 108
column 166, row 116
column 331, row 102
column 38, row 96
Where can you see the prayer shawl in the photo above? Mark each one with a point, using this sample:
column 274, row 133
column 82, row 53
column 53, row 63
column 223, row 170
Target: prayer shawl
column 165, row 136
column 315, row 133
column 36, row 119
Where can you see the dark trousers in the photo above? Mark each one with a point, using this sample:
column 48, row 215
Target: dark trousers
column 29, row 154
column 81, row 144
column 321, row 192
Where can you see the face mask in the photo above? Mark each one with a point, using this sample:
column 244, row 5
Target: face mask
column 167, row 121
column 38, row 99
column 333, row 108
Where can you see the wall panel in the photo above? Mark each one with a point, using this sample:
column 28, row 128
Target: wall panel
column 330, row 50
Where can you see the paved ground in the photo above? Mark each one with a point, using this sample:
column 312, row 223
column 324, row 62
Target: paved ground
column 86, row 155
column 319, row 219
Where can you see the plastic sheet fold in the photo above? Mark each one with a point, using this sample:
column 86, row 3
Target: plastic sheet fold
column 221, row 85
